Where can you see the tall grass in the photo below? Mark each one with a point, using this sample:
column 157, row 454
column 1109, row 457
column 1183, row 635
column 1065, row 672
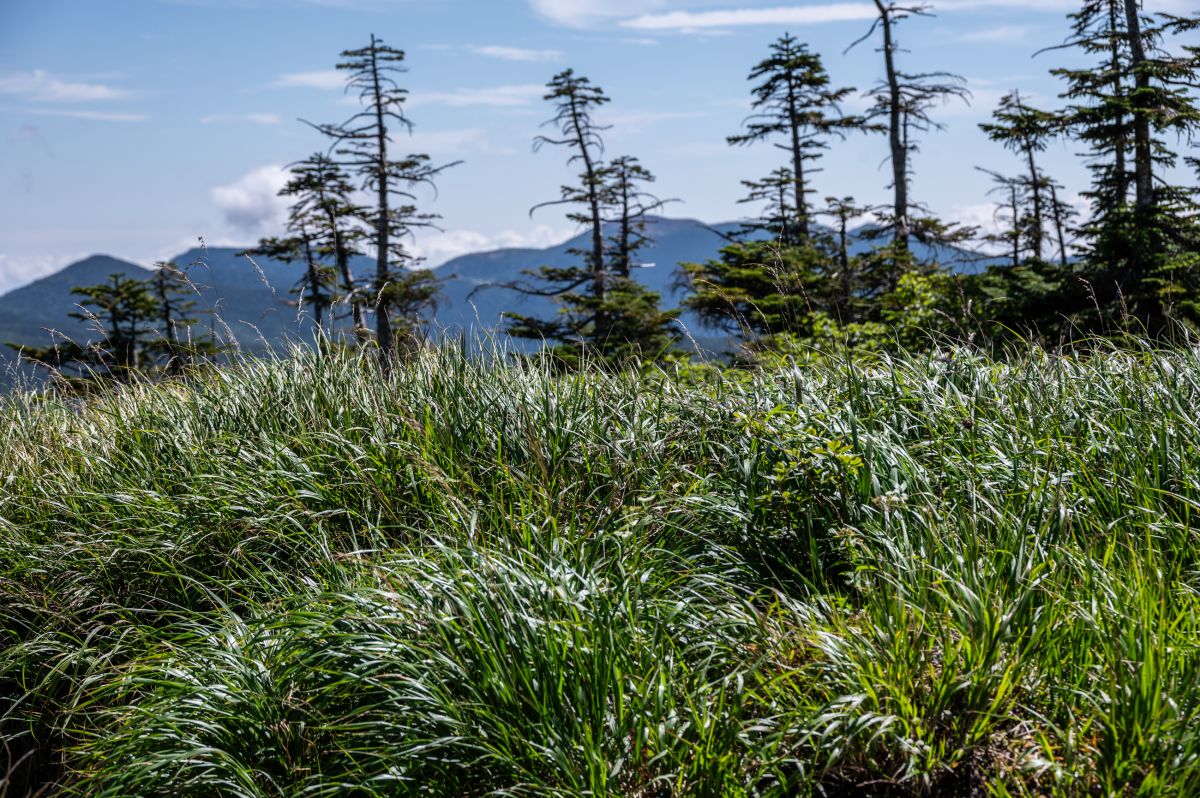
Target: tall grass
column 929, row 575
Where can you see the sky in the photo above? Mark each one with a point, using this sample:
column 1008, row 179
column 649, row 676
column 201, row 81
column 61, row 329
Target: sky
column 138, row 128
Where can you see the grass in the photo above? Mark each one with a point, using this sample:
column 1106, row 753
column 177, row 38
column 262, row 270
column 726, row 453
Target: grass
column 933, row 575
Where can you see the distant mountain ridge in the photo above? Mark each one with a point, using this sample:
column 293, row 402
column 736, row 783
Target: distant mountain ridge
column 249, row 300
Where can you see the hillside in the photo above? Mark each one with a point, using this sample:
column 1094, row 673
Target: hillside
column 251, row 300
column 936, row 576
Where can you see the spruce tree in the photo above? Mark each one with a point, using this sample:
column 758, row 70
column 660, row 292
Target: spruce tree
column 904, row 101
column 1139, row 257
column 177, row 344
column 778, row 218
column 848, row 293
column 602, row 311
column 1026, row 131
column 323, row 197
column 364, row 141
column 794, row 101
column 123, row 311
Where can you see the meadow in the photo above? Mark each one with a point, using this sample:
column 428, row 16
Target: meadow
column 938, row 574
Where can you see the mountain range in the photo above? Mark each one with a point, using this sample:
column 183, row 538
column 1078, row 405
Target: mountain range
column 248, row 300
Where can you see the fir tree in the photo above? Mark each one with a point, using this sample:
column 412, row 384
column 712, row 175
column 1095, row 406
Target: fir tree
column 323, row 198
column 177, row 343
column 1139, row 258
column 795, row 101
column 123, row 312
column 905, row 100
column 603, row 311
column 364, row 140
column 1026, row 131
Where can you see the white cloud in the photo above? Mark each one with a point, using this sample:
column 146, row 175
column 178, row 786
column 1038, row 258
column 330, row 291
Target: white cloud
column 582, row 13
column 16, row 271
column 319, row 79
column 91, row 116
column 517, row 53
column 439, row 247
column 41, row 86
column 448, row 142
column 779, row 15
column 695, row 15
column 495, row 96
column 1002, row 34
column 251, row 204
column 258, row 119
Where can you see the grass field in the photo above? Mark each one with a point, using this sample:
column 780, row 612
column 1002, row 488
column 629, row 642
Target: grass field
column 937, row 575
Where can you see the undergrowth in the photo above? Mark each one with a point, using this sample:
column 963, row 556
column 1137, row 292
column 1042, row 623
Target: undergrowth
column 933, row 575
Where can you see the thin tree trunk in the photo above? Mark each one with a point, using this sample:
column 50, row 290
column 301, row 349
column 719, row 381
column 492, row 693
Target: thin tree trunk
column 1035, row 185
column 1143, row 167
column 1016, row 228
column 1058, row 225
column 900, row 226
column 314, row 280
column 844, row 265
column 1121, row 184
column 383, row 326
column 598, row 287
column 164, row 303
column 342, row 257
column 802, row 227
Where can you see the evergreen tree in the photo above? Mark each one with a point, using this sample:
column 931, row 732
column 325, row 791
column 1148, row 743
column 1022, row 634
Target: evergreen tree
column 1026, row 131
column 176, row 343
column 794, row 100
column 1139, row 258
column 364, row 140
column 639, row 328
column 778, row 218
column 905, row 101
column 602, row 309
column 756, row 289
column 323, row 198
column 123, row 312
column 849, row 294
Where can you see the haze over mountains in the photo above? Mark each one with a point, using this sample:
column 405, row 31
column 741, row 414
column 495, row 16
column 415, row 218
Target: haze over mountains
column 250, row 302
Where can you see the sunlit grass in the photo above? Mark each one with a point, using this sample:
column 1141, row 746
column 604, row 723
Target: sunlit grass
column 930, row 575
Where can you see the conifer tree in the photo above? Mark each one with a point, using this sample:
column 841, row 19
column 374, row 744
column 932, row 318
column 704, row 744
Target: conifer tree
column 795, row 101
column 123, row 312
column 1026, row 131
column 323, row 197
column 778, row 218
column 848, row 291
column 639, row 328
column 602, row 309
column 1139, row 257
column 904, row 100
column 177, row 343
column 364, row 140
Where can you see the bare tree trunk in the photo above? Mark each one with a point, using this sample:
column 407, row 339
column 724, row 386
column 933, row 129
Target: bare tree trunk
column 314, row 279
column 1035, row 186
column 593, row 189
column 383, row 325
column 802, row 227
column 1016, row 230
column 1143, row 167
column 900, row 226
column 1058, row 225
column 1120, row 144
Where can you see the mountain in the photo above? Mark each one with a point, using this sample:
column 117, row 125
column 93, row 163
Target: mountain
column 250, row 302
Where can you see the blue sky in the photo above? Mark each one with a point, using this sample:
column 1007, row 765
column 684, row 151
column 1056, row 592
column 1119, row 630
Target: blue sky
column 135, row 127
